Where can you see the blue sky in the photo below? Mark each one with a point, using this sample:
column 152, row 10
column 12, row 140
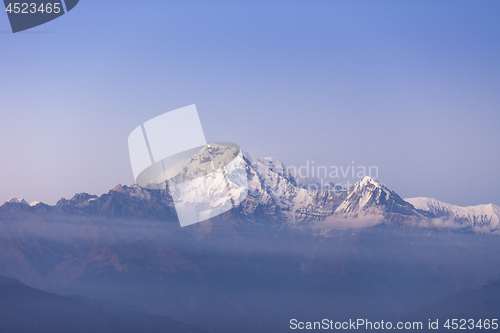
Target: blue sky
column 412, row 87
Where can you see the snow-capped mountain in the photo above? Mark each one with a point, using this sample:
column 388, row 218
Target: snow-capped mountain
column 274, row 195
column 480, row 217
column 17, row 200
column 369, row 197
column 273, row 187
column 22, row 201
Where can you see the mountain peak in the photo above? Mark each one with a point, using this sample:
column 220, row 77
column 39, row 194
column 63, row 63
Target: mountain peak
column 119, row 188
column 17, row 200
column 370, row 197
column 370, row 181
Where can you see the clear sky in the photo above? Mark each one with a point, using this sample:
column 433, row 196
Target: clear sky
column 412, row 87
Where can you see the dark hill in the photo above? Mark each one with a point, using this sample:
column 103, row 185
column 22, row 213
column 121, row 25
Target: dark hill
column 26, row 309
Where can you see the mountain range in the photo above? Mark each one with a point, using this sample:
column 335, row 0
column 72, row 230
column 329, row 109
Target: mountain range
column 287, row 251
column 275, row 195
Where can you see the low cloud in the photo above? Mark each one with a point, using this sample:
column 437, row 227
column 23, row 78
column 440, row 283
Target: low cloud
column 438, row 223
column 331, row 222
